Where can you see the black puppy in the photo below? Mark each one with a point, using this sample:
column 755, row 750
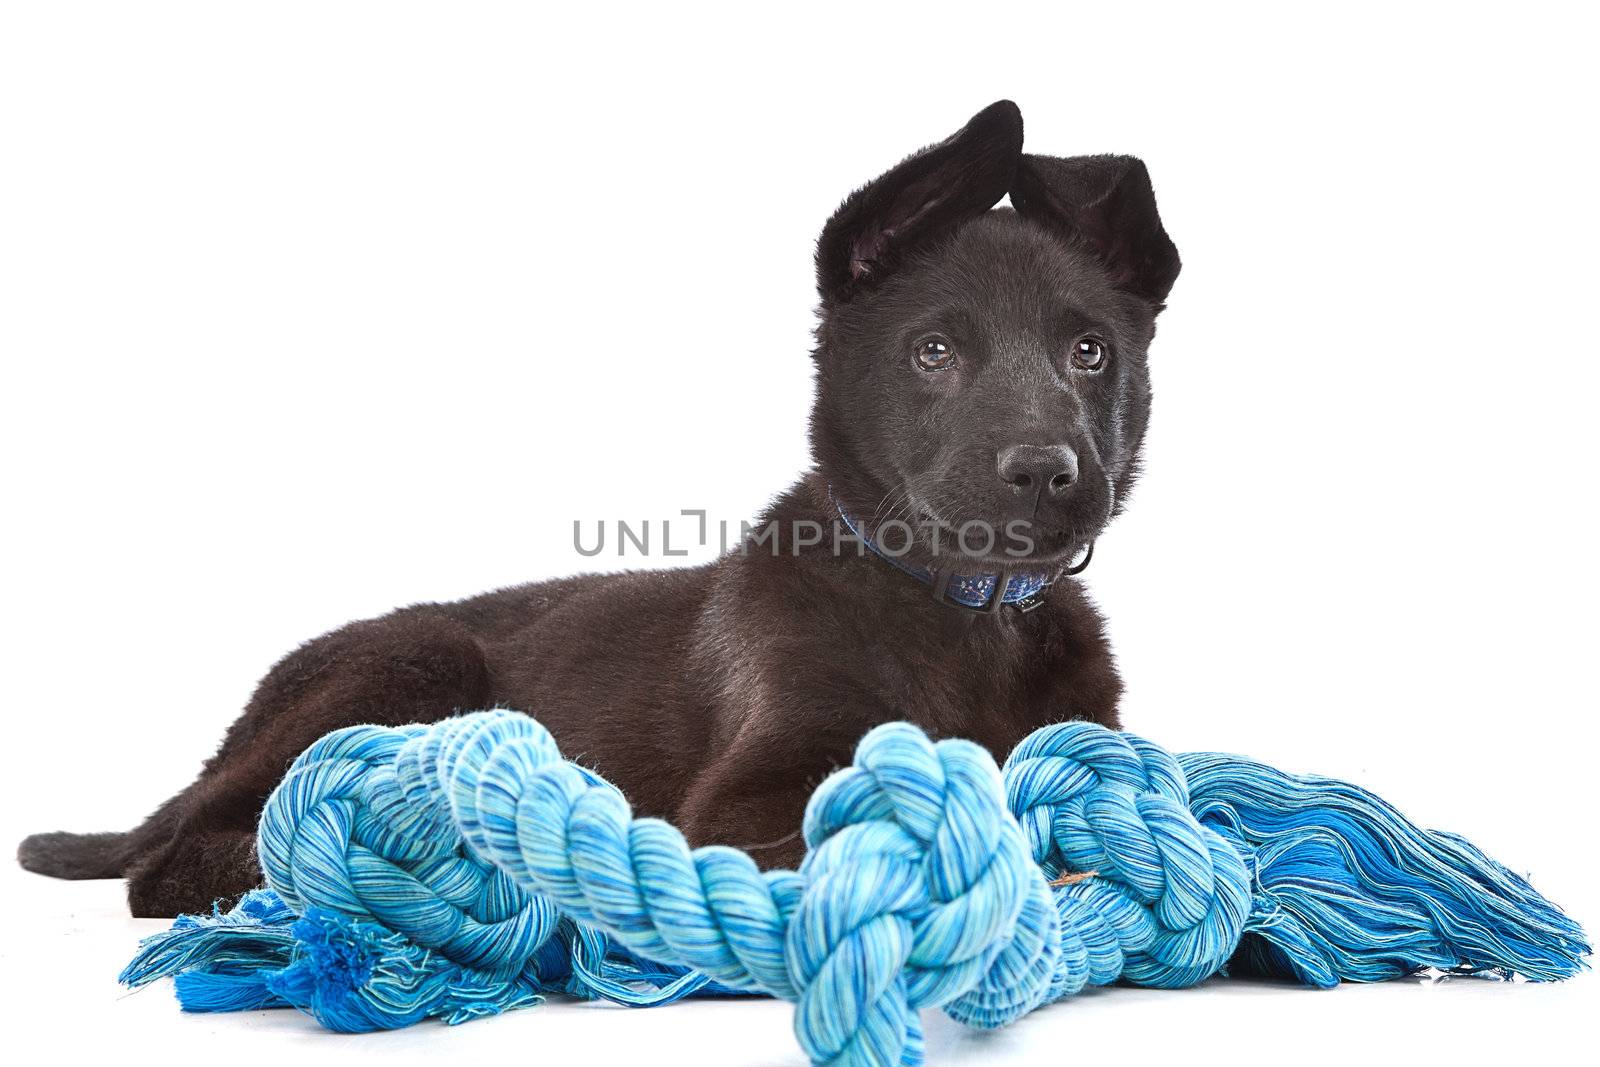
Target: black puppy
column 982, row 397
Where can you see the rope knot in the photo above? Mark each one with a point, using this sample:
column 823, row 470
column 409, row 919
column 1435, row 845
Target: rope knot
column 1174, row 893
column 918, row 892
column 353, row 830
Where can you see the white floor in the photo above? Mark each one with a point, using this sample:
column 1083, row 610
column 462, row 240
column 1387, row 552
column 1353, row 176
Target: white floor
column 65, row 942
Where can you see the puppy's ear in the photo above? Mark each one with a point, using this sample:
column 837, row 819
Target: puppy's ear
column 1107, row 204
column 932, row 191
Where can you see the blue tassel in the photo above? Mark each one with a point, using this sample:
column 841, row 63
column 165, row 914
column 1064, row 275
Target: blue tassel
column 1346, row 889
column 354, row 976
column 351, row 976
column 222, row 960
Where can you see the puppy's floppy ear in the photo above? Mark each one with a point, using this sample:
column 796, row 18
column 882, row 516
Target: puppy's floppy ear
column 937, row 188
column 1106, row 203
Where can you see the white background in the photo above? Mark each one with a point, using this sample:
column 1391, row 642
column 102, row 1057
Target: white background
column 311, row 310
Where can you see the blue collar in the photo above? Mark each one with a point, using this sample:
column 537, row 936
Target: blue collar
column 1025, row 589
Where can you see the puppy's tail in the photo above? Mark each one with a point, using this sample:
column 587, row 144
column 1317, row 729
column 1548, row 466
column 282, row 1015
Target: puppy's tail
column 74, row 856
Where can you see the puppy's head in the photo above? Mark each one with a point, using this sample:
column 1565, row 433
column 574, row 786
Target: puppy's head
column 983, row 368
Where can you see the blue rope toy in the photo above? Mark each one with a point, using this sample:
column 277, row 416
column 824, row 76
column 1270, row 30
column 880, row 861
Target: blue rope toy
column 464, row 869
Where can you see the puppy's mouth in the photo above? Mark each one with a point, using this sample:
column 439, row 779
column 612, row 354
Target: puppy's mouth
column 1005, row 543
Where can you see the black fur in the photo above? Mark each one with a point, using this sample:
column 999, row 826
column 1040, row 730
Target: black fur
column 719, row 696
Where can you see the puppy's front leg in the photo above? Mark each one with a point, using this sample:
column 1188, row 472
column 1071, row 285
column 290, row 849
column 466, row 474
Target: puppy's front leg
column 764, row 823
column 753, row 795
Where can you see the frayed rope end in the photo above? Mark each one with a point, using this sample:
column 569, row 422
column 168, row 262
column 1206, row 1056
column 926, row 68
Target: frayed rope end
column 351, row 976
column 1347, row 889
column 355, row 976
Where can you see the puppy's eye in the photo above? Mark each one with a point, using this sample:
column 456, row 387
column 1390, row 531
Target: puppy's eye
column 1090, row 353
column 935, row 353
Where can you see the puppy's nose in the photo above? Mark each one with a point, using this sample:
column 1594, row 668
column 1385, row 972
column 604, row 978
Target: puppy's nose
column 1049, row 469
